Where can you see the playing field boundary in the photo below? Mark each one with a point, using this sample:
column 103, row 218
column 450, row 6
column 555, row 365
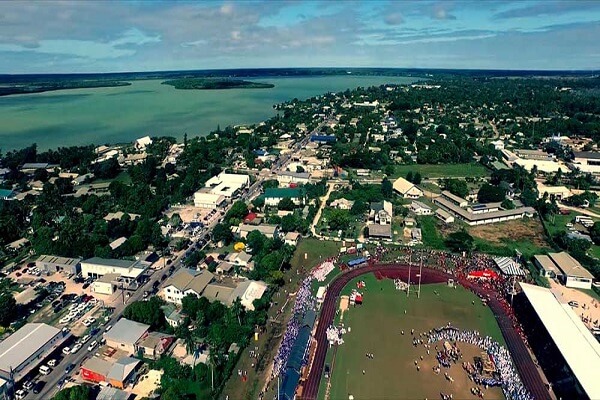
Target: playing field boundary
column 518, row 350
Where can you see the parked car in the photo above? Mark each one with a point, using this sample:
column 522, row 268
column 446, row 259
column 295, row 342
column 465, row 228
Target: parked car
column 76, row 348
column 45, row 370
column 85, row 338
column 108, row 328
column 69, row 368
column 28, row 385
column 92, row 345
column 66, row 350
column 52, row 363
column 20, row 394
column 39, row 386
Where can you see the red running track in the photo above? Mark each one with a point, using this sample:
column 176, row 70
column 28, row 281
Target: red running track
column 523, row 362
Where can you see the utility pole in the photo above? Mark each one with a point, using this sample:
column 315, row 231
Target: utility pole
column 409, row 267
column 420, row 271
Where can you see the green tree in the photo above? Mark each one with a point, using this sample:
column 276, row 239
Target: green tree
column 595, row 232
column 457, row 187
column 460, row 241
column 79, row 392
column 490, row 194
column 286, row 204
column 8, row 309
column 147, row 312
column 222, row 233
column 238, row 210
column 507, row 204
column 417, row 178
column 387, row 188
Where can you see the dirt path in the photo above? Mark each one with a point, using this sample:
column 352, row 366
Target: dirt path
column 323, row 201
column 579, row 210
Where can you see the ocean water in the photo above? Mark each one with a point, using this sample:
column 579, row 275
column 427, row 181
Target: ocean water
column 122, row 114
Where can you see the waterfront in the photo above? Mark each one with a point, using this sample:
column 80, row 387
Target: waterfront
column 122, row 114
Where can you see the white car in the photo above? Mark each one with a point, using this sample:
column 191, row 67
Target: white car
column 108, row 328
column 76, row 348
column 86, row 322
column 92, row 345
column 91, row 320
column 52, row 363
column 85, row 338
column 66, row 351
column 45, row 370
column 20, row 394
column 65, row 320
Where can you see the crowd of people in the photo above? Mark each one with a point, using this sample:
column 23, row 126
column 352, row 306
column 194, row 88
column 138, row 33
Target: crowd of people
column 509, row 379
column 321, row 271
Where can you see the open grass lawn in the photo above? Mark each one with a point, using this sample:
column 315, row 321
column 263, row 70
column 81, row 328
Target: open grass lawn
column 312, row 251
column 376, row 328
column 442, row 170
column 432, row 237
column 123, row 177
column 525, row 235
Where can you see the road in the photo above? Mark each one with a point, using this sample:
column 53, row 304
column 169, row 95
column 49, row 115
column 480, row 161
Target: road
column 78, row 358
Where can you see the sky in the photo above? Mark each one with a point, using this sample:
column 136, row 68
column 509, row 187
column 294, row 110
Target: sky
column 110, row 36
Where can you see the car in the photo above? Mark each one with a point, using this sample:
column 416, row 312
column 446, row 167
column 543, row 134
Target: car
column 39, row 386
column 66, row 350
column 28, row 385
column 85, row 338
column 327, row 371
column 76, row 348
column 20, row 394
column 108, row 328
column 52, row 363
column 94, row 331
column 69, row 368
column 86, row 322
column 45, row 370
column 60, row 383
column 86, row 285
column 92, row 345
column 146, row 293
column 574, row 304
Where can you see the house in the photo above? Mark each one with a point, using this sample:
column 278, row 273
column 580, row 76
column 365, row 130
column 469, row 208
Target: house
column 172, row 315
column 342, row 204
column 119, row 215
column 381, row 212
column 292, row 238
column 420, row 208
column 225, row 267
column 444, row 216
column 125, row 335
column 407, row 189
column 559, row 192
column 415, row 234
column 587, row 161
column 287, row 178
column 270, row 231
column 546, row 266
column 117, row 373
column 115, row 244
column 208, row 200
column 155, row 344
column 185, row 282
column 572, row 273
column 141, row 143
column 247, row 292
column 241, row 259
column 273, row 196
column 377, row 231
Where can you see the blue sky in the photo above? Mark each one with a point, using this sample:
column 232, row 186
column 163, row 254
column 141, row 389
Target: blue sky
column 88, row 36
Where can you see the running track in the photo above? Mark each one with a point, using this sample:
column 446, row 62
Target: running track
column 523, row 362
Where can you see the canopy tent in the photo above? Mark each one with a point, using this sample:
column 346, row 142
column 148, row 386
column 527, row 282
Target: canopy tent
column 508, row 266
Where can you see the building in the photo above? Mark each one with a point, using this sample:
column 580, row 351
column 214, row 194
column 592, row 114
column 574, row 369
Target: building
column 117, row 373
column 241, row 259
column 186, row 282
column 228, row 185
column 286, row 178
column 52, row 264
column 172, row 315
column 572, row 273
column 155, row 344
column 208, row 200
column 559, row 192
column 342, row 204
column 247, row 292
column 546, row 266
column 125, row 335
column 407, row 189
column 270, row 231
column 381, row 212
column 129, row 271
column 292, row 238
column 377, row 231
column 480, row 214
column 119, row 215
column 107, row 284
column 273, row 196
column 445, row 216
column 6, row 194
column 23, row 351
column 112, row 393
column 420, row 208
column 323, row 139
column 141, row 143
column 587, row 161
column 567, row 351
column 115, row 244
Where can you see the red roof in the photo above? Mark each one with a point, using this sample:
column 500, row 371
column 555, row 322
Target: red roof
column 249, row 217
column 486, row 273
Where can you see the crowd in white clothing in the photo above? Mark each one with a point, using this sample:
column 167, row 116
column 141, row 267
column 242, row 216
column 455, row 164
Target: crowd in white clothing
column 321, row 271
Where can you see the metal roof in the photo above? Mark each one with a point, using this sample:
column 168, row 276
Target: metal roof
column 55, row 260
column 110, row 262
column 576, row 343
column 126, row 331
column 121, row 369
column 22, row 344
column 570, row 266
column 546, row 263
column 482, row 216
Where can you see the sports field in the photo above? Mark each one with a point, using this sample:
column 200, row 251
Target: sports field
column 376, row 328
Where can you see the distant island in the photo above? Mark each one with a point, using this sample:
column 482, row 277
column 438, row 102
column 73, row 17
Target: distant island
column 40, row 87
column 215, row 84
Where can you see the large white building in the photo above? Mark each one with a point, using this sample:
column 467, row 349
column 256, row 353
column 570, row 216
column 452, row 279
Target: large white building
column 285, row 178
column 587, row 161
column 25, row 349
column 208, row 200
column 129, row 271
column 57, row 264
column 566, row 268
column 407, row 189
column 186, row 282
column 227, row 185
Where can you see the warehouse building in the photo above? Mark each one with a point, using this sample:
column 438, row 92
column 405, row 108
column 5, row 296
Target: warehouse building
column 126, row 335
column 129, row 271
column 208, row 200
column 227, row 185
column 24, row 350
column 570, row 272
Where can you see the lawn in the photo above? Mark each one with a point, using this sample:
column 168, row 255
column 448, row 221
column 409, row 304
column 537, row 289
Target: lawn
column 123, row 177
column 376, row 328
column 442, row 170
column 431, row 235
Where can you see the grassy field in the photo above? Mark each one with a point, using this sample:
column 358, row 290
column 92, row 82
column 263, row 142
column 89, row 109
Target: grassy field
column 431, row 235
column 376, row 328
column 442, row 170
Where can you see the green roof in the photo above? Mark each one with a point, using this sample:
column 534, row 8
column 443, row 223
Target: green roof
column 280, row 193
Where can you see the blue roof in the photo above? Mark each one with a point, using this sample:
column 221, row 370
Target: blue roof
column 6, row 193
column 357, row 261
column 310, row 316
column 287, row 390
column 261, row 152
column 323, row 138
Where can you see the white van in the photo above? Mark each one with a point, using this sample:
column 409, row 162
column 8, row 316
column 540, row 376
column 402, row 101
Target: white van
column 45, row 370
